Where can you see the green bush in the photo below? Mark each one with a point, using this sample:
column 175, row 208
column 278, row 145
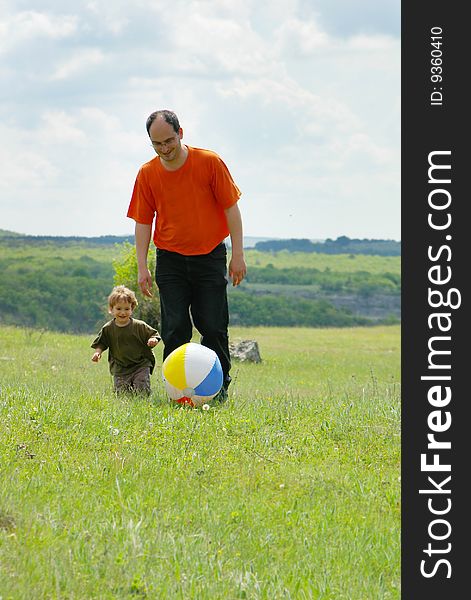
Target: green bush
column 270, row 310
column 125, row 268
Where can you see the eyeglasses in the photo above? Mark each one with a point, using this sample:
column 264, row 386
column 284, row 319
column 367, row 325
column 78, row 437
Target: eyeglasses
column 159, row 145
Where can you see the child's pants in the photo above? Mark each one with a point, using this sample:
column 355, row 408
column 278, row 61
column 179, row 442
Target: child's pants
column 139, row 381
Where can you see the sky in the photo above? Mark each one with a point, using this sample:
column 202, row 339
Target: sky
column 300, row 98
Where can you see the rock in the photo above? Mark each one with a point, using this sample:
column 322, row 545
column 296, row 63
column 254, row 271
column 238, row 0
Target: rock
column 246, row 350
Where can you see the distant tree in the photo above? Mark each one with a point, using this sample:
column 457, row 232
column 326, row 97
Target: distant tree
column 292, row 245
column 342, row 245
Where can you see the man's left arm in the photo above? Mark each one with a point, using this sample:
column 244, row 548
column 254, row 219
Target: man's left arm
column 237, row 266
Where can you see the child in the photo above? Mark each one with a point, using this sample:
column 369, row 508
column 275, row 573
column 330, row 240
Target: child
column 129, row 342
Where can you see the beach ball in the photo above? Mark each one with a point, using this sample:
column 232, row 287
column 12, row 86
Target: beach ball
column 192, row 374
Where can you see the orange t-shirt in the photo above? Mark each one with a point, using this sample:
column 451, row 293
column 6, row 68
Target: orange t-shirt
column 188, row 203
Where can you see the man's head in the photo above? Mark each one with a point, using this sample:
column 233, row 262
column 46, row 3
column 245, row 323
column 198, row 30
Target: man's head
column 167, row 115
column 165, row 134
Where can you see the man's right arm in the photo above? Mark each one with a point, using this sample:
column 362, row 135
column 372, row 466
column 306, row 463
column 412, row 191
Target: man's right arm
column 143, row 234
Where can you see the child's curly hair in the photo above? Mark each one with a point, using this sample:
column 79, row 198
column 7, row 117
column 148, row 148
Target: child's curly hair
column 121, row 293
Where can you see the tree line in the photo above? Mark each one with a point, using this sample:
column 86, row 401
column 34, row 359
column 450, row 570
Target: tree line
column 358, row 282
column 341, row 245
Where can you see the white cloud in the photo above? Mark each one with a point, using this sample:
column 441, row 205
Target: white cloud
column 297, row 37
column 58, row 127
column 30, row 25
column 111, row 15
column 307, row 113
column 372, row 42
column 25, row 168
column 79, row 61
column 226, row 47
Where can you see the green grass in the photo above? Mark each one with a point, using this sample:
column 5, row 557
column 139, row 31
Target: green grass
column 345, row 263
column 290, row 490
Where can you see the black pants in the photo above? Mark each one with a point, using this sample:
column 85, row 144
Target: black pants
column 196, row 285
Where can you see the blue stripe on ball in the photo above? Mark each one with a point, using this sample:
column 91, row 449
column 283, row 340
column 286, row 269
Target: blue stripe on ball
column 212, row 382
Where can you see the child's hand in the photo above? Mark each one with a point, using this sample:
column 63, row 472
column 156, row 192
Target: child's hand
column 153, row 341
column 96, row 357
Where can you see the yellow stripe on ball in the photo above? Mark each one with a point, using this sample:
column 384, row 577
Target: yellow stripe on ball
column 174, row 370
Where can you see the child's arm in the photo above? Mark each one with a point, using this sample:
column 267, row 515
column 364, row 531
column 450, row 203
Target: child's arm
column 153, row 341
column 98, row 352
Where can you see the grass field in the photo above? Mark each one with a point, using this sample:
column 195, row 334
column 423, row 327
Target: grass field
column 289, row 491
column 345, row 263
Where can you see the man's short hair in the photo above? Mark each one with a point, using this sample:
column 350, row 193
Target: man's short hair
column 169, row 116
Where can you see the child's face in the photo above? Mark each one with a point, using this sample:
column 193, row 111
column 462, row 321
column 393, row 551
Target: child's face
column 122, row 312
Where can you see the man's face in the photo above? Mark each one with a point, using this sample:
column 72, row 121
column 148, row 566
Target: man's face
column 165, row 140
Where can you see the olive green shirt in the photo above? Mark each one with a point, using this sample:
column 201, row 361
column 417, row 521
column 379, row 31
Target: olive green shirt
column 127, row 346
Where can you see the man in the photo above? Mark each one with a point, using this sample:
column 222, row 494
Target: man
column 193, row 198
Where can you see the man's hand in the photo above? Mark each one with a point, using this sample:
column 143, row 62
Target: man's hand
column 144, row 279
column 96, row 357
column 237, row 266
column 237, row 269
